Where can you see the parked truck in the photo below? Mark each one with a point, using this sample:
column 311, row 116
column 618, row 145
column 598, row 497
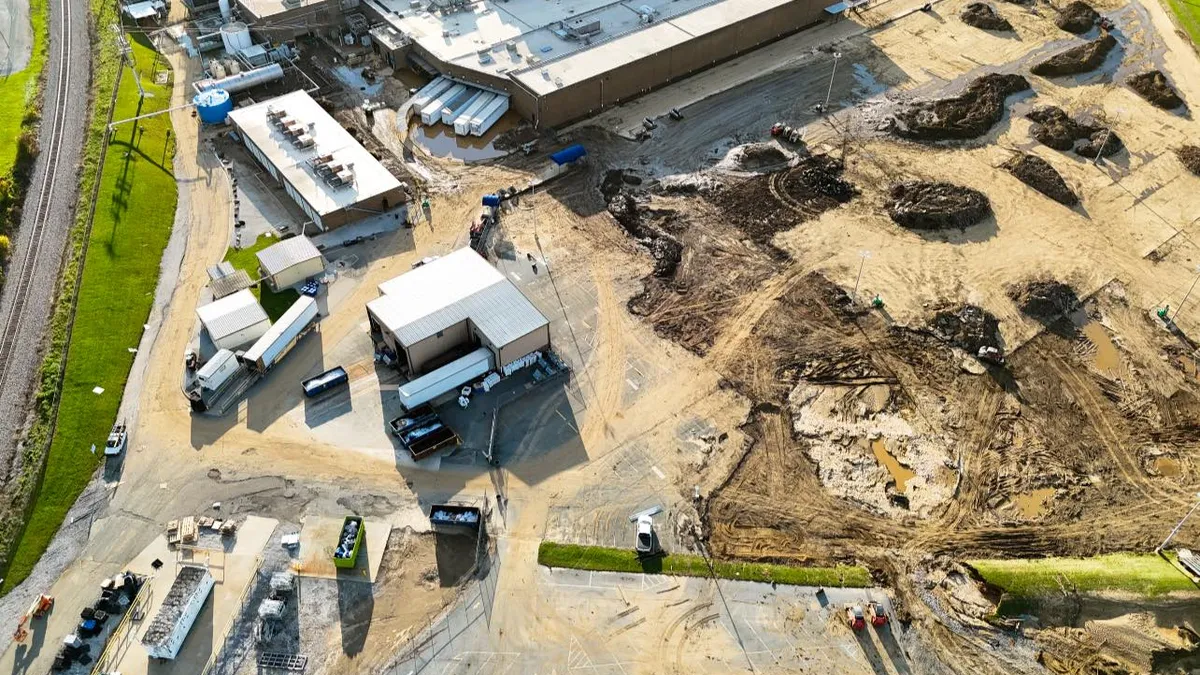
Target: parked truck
column 282, row 335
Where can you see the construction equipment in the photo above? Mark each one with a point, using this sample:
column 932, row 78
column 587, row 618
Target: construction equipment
column 877, row 613
column 787, row 133
column 854, row 617
column 37, row 609
column 990, row 355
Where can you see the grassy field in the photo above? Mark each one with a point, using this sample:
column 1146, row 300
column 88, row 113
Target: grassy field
column 275, row 304
column 1025, row 580
column 19, row 90
column 134, row 213
column 600, row 559
column 1188, row 14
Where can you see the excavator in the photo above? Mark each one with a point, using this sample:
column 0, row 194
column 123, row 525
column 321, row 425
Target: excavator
column 38, row 608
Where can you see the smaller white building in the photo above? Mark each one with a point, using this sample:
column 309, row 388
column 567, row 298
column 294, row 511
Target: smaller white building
column 235, row 321
column 290, row 262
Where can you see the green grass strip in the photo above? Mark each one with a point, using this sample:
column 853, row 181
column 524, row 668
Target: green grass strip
column 19, row 91
column 1142, row 574
column 1188, row 15
column 274, row 304
column 601, row 559
column 135, row 210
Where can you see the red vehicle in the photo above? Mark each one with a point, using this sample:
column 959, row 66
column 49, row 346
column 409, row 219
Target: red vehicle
column 777, row 129
column 854, row 617
column 877, row 613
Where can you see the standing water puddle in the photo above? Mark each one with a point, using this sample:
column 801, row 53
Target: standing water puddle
column 1107, row 356
column 441, row 141
column 900, row 473
column 1033, row 504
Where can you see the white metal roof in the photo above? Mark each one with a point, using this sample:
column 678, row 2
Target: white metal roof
column 231, row 314
column 370, row 177
column 213, row 365
column 294, row 314
column 446, row 291
column 287, row 253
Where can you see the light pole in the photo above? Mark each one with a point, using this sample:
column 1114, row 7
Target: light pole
column 1185, row 295
column 829, row 92
column 864, row 254
column 1180, row 525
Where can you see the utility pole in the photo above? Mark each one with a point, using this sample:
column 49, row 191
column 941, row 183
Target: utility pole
column 864, row 254
column 829, row 92
column 1100, row 150
column 1186, row 295
column 1180, row 525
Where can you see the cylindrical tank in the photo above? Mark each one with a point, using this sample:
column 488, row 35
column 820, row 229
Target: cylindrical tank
column 235, row 36
column 213, row 105
column 243, row 80
column 226, row 13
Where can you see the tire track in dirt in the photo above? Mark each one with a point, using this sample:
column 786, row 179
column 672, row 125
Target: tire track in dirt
column 608, row 377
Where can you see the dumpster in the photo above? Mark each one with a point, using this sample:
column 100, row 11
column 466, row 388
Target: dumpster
column 345, row 555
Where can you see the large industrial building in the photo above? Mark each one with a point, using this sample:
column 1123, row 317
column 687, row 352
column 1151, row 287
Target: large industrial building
column 565, row 60
column 451, row 307
column 332, row 177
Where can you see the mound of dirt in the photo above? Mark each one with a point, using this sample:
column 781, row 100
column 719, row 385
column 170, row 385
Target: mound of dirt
column 764, row 205
column 1077, row 17
column 1039, row 175
column 969, row 115
column 638, row 220
column 1154, row 87
column 1046, row 300
column 1190, row 156
column 615, row 180
column 1054, row 128
column 983, row 15
column 1080, row 59
column 925, row 205
column 969, row 327
column 758, row 156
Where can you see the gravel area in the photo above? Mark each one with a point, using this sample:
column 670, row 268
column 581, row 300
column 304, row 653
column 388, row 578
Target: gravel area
column 14, row 395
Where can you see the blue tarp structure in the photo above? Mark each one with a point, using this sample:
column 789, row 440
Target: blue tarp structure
column 568, row 154
column 491, row 200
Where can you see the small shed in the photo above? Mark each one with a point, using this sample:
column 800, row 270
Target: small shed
column 235, row 321
column 290, row 262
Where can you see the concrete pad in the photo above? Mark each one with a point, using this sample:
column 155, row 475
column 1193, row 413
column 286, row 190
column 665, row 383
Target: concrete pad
column 319, row 536
column 233, row 571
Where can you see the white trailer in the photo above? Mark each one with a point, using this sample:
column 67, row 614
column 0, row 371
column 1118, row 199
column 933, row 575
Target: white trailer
column 426, row 93
column 488, row 116
column 217, row 370
column 445, row 379
column 182, row 604
column 432, row 112
column 462, row 123
column 451, row 112
column 282, row 335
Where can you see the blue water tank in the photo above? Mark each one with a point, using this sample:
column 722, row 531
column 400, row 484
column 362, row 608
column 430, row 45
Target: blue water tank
column 491, row 200
column 213, row 105
column 568, row 154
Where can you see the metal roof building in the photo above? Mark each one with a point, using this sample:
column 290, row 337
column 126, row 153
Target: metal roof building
column 330, row 175
column 451, row 305
column 234, row 321
column 290, row 262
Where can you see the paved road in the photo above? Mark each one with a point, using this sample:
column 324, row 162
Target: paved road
column 33, row 273
column 16, row 36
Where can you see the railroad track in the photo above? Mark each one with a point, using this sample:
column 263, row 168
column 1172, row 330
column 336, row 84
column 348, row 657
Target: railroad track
column 22, row 275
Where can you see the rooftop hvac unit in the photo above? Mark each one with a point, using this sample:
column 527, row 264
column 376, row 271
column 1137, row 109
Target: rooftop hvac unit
column 304, row 141
column 346, row 177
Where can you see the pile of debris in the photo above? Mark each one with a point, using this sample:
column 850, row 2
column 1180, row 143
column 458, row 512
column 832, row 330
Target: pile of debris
column 760, row 156
column 1154, row 87
column 1054, row 128
column 1077, row 17
column 927, row 205
column 823, row 174
column 1039, row 175
column 983, row 15
column 633, row 213
column 615, row 180
column 1046, row 300
column 969, row 115
column 1190, row 156
column 969, row 327
column 1079, row 59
